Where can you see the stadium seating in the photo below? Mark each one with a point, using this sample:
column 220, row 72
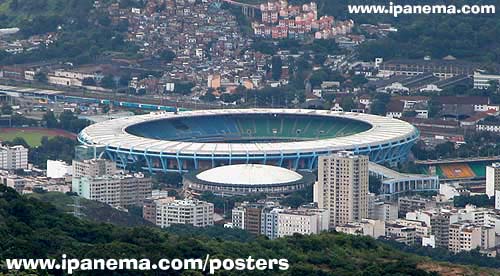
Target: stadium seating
column 266, row 127
column 479, row 168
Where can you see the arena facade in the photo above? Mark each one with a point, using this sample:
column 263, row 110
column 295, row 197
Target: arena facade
column 245, row 179
column 289, row 138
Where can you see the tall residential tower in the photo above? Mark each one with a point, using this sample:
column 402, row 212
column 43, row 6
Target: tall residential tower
column 342, row 187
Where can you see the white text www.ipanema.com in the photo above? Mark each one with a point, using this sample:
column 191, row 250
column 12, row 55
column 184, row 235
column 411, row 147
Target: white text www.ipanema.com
column 208, row 265
column 396, row 10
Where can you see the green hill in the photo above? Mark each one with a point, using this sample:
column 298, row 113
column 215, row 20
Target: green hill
column 91, row 210
column 40, row 16
column 83, row 34
column 33, row 229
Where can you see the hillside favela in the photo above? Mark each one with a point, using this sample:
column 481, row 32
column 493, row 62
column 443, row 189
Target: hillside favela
column 249, row 137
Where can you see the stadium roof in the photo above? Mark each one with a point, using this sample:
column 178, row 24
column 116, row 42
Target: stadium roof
column 112, row 133
column 249, row 174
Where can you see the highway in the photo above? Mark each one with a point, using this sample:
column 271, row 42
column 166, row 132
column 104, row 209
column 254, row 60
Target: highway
column 457, row 160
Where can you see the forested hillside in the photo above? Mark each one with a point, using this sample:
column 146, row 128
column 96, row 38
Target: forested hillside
column 82, row 34
column 30, row 228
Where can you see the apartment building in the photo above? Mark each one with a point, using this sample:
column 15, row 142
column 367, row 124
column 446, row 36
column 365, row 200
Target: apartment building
column 342, row 187
column 469, row 236
column 401, row 233
column 365, row 227
column 13, row 158
column 412, row 204
column 483, row 80
column 384, row 211
column 116, row 190
column 252, row 216
column 303, row 221
column 190, row 211
column 422, row 231
column 492, row 179
column 93, row 168
column 13, row 181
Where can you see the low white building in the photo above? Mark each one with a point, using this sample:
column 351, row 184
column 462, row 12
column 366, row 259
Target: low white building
column 401, row 233
column 365, row 227
column 482, row 80
column 194, row 212
column 484, row 126
column 451, row 190
column 422, row 231
column 303, row 221
column 58, row 169
column 12, row 181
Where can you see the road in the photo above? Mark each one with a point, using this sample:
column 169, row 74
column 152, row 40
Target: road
column 241, row 4
column 147, row 99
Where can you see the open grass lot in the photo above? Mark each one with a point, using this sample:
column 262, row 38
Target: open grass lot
column 33, row 136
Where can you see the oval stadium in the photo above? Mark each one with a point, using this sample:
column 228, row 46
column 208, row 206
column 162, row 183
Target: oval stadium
column 289, row 138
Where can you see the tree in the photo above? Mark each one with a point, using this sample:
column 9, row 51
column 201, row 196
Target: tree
column 50, row 120
column 105, row 108
column 19, row 141
column 57, row 148
column 347, row 104
column 183, row 87
column 276, row 64
column 68, row 121
column 208, row 97
column 358, row 80
column 6, row 109
column 108, row 82
column 477, row 200
column 167, row 55
column 445, row 149
column 230, row 98
column 89, row 82
column 379, row 105
column 41, row 77
column 434, row 108
column 124, row 80
column 318, row 77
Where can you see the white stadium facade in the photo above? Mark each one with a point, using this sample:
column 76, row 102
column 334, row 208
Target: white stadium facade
column 288, row 138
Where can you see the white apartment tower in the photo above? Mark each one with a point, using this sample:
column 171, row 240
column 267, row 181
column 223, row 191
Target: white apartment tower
column 190, row 211
column 492, row 179
column 13, row 158
column 342, row 187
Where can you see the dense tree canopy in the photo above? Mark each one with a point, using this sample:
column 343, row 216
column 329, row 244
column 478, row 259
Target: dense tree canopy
column 30, row 228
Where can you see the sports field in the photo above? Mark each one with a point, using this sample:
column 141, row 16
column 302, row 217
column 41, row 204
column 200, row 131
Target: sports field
column 460, row 170
column 33, row 136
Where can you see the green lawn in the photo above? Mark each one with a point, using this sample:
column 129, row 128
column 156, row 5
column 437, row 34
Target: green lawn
column 33, row 138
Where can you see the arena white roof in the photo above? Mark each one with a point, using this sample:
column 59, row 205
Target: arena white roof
column 112, row 133
column 249, row 174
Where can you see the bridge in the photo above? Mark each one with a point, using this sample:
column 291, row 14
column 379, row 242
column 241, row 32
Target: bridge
column 247, row 9
column 458, row 160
